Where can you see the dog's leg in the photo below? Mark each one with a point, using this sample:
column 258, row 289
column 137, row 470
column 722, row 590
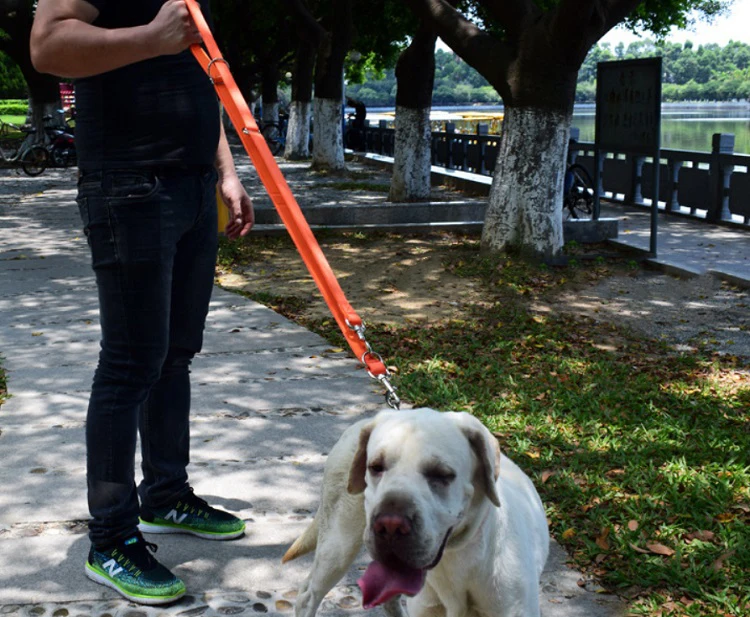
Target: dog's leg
column 426, row 604
column 395, row 608
column 339, row 542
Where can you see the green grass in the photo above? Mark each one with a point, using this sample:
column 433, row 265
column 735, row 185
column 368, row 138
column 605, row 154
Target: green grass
column 640, row 454
column 3, row 384
column 17, row 120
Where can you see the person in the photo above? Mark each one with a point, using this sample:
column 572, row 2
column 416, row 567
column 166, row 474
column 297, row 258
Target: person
column 151, row 152
column 357, row 133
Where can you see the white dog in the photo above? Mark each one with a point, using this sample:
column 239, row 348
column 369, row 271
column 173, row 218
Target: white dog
column 447, row 519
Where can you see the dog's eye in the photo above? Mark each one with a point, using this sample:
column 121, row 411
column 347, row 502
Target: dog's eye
column 376, row 468
column 440, row 476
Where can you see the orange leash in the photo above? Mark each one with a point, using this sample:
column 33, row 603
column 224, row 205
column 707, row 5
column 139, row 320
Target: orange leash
column 351, row 325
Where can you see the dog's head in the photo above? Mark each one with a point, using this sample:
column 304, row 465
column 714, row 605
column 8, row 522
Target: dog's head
column 422, row 473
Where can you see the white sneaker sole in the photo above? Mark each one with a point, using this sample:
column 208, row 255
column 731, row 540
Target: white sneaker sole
column 147, row 527
column 150, row 601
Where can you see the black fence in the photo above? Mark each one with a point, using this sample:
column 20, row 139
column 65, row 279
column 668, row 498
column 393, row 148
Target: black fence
column 714, row 186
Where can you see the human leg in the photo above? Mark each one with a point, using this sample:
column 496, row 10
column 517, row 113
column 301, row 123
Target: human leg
column 164, row 418
column 168, row 505
column 132, row 235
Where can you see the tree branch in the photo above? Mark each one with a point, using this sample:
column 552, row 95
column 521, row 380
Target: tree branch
column 577, row 24
column 510, row 14
column 478, row 48
column 308, row 27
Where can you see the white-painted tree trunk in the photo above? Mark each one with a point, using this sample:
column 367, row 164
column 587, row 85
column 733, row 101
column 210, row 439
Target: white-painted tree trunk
column 524, row 211
column 298, row 131
column 411, row 162
column 328, row 143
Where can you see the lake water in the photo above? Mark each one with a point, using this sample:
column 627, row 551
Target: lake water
column 688, row 127
column 684, row 126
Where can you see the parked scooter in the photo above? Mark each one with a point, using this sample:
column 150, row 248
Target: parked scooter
column 61, row 147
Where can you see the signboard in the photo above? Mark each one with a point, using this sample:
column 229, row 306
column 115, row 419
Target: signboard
column 628, row 105
column 628, row 119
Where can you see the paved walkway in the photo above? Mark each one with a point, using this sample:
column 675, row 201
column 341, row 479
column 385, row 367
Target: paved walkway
column 685, row 246
column 270, row 399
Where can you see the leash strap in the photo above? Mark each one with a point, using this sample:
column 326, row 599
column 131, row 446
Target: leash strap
column 351, row 325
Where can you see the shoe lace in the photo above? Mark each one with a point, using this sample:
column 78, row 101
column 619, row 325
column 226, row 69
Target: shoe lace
column 191, row 500
column 140, row 553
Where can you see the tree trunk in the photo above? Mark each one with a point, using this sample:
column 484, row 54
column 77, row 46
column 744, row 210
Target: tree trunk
column 412, row 155
column 16, row 19
column 415, row 73
column 524, row 212
column 328, row 142
column 298, row 130
column 533, row 67
column 270, row 93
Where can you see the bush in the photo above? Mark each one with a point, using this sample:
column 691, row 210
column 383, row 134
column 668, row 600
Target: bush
column 12, row 83
column 14, row 107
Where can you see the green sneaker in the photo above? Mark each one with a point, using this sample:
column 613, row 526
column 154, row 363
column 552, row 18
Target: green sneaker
column 129, row 568
column 191, row 514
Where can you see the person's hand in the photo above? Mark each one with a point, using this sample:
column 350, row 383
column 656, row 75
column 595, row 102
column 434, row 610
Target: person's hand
column 240, row 206
column 173, row 29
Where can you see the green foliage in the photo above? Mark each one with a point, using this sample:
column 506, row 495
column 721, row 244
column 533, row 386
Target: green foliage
column 12, row 83
column 456, row 83
column 3, row 384
column 706, row 73
column 13, row 107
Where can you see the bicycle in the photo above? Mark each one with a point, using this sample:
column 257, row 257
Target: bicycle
column 275, row 134
column 578, row 193
column 31, row 157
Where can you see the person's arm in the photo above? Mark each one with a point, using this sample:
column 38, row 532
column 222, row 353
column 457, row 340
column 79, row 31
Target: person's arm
column 64, row 42
column 236, row 199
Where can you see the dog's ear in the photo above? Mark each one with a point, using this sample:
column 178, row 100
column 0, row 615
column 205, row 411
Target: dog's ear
column 359, row 463
column 487, row 451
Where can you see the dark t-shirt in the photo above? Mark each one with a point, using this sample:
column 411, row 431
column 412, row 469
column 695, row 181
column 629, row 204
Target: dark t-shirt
column 161, row 112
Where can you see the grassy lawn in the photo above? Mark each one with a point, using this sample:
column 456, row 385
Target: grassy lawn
column 11, row 137
column 17, row 120
column 640, row 453
column 3, row 384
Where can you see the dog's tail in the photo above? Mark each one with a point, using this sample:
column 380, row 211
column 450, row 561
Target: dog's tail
column 304, row 544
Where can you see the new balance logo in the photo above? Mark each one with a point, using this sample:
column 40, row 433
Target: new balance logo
column 112, row 567
column 177, row 518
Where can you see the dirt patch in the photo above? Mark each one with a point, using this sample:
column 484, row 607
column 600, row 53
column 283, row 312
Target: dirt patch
column 387, row 279
column 395, row 278
column 688, row 313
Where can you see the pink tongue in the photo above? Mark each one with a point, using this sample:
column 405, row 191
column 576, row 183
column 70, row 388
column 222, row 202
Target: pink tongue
column 379, row 583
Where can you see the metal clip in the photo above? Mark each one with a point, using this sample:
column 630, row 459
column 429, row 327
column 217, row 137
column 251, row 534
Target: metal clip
column 360, row 329
column 211, row 63
column 394, row 402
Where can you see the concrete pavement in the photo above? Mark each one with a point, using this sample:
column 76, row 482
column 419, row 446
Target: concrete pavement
column 270, row 399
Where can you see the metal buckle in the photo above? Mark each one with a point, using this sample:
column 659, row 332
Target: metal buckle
column 211, row 63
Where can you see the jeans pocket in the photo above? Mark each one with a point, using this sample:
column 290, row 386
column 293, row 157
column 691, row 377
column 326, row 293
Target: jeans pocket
column 123, row 186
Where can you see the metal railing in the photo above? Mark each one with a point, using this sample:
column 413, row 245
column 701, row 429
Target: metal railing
column 713, row 186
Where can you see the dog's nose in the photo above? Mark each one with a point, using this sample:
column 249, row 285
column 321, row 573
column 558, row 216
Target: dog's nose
column 391, row 525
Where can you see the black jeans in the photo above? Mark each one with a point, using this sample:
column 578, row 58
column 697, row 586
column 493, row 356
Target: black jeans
column 153, row 240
